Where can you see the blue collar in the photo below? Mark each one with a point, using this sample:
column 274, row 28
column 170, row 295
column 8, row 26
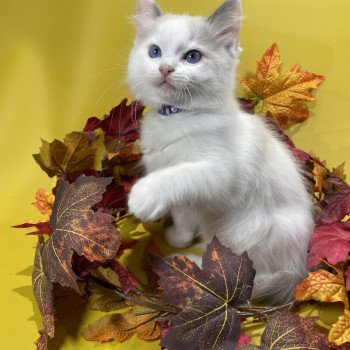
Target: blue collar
column 169, row 110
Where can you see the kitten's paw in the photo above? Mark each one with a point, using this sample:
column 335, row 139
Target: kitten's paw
column 178, row 239
column 146, row 202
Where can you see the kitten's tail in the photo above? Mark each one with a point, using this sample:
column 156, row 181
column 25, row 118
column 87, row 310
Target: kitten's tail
column 277, row 288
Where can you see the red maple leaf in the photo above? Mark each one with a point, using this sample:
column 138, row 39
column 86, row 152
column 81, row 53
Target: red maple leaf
column 330, row 242
column 122, row 122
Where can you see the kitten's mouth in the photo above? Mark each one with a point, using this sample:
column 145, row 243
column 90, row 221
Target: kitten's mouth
column 166, row 85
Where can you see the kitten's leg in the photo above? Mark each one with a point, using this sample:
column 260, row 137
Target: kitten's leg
column 182, row 232
column 154, row 195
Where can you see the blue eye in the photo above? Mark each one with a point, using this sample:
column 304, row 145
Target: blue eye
column 155, row 51
column 193, row 56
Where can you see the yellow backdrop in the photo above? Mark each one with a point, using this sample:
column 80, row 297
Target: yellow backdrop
column 63, row 60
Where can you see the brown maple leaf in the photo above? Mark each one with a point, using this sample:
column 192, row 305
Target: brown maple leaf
column 208, row 297
column 43, row 201
column 323, row 286
column 340, row 331
column 77, row 227
column 122, row 326
column 281, row 97
column 72, row 156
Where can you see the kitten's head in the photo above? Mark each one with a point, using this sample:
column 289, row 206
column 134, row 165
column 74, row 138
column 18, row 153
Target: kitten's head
column 184, row 61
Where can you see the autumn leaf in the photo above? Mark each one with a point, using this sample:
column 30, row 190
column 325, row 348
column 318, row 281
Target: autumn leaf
column 340, row 331
column 334, row 207
column 320, row 173
column 42, row 288
column 286, row 331
column 244, row 339
column 109, row 302
column 315, row 338
column 123, row 326
column 41, row 342
column 281, row 97
column 339, row 171
column 123, row 121
column 74, row 155
column 323, row 286
column 43, row 201
column 207, row 297
column 77, row 228
column 347, row 278
column 42, row 228
column 126, row 279
column 115, row 198
column 331, row 242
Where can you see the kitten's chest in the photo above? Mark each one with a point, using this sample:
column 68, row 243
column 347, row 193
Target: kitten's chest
column 166, row 143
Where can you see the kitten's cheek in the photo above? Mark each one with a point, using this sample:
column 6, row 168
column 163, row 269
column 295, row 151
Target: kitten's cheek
column 145, row 202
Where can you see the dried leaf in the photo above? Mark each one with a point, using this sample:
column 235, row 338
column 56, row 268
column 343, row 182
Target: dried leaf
column 323, row 286
column 77, row 227
column 121, row 327
column 330, row 242
column 340, row 331
column 43, row 201
column 207, row 297
column 74, row 155
column 42, row 288
column 281, row 97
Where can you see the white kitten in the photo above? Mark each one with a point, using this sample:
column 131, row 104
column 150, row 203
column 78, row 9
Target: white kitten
column 216, row 169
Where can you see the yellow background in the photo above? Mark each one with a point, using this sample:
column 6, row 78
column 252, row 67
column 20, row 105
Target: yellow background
column 62, row 61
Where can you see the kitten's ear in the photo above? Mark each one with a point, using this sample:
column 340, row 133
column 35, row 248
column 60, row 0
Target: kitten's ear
column 226, row 24
column 146, row 12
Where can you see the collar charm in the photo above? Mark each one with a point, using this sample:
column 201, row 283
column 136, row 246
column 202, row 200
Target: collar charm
column 167, row 110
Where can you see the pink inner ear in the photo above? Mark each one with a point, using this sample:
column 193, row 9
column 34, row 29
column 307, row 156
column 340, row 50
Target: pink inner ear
column 148, row 9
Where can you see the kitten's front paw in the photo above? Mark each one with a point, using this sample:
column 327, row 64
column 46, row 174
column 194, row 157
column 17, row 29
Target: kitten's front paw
column 145, row 200
column 177, row 238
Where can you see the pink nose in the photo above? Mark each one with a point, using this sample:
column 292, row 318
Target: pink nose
column 166, row 69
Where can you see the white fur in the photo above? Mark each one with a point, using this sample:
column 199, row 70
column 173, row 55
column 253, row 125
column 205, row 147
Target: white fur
column 216, row 169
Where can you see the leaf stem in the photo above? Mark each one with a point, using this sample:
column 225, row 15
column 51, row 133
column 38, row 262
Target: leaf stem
column 146, row 303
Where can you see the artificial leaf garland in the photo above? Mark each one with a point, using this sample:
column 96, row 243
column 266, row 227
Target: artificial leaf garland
column 184, row 321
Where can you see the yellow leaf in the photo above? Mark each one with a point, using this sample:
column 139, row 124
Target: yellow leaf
column 281, row 97
column 340, row 331
column 121, row 327
column 323, row 286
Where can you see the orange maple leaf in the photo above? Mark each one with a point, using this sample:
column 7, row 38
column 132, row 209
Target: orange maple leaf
column 323, row 286
column 280, row 97
column 122, row 326
column 43, row 201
